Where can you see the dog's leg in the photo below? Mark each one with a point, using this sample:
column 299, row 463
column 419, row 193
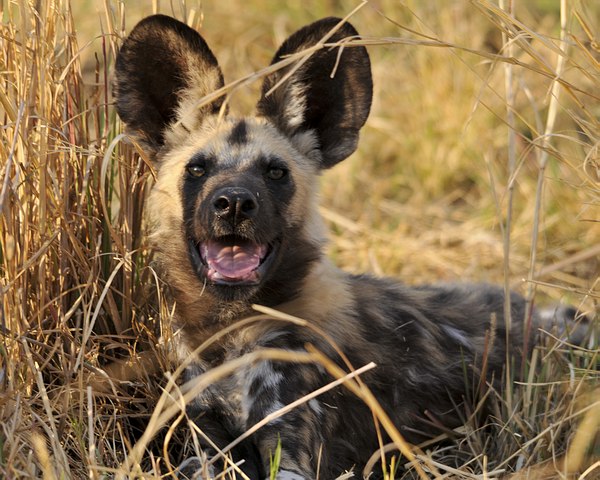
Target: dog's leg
column 269, row 386
column 209, row 413
column 567, row 323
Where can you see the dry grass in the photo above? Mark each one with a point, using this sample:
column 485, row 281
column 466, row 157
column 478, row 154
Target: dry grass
column 460, row 174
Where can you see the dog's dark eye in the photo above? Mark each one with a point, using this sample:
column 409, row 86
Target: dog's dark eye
column 196, row 170
column 276, row 173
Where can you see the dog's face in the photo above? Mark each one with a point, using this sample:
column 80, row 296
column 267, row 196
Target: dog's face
column 237, row 204
column 242, row 196
column 234, row 206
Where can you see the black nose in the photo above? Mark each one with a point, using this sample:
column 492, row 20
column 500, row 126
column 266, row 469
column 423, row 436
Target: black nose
column 234, row 204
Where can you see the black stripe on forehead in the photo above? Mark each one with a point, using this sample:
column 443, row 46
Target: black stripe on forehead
column 239, row 134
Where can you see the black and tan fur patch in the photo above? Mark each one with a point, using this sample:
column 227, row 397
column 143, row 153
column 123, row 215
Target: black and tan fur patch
column 236, row 223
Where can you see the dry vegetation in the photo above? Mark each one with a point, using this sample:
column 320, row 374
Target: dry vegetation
column 461, row 173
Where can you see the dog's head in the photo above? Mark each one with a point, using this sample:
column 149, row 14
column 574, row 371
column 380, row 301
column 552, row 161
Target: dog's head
column 234, row 206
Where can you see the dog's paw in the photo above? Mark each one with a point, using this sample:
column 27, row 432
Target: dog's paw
column 194, row 469
column 566, row 322
column 287, row 475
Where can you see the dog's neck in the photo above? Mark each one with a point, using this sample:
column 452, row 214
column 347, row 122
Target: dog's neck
column 322, row 288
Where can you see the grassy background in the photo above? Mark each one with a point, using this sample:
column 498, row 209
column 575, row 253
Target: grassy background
column 445, row 186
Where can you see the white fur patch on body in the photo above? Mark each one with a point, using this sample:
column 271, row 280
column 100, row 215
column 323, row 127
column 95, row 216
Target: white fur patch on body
column 269, row 381
column 277, row 405
column 315, row 406
column 457, row 335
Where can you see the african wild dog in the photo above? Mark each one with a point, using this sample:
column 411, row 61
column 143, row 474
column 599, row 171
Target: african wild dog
column 236, row 223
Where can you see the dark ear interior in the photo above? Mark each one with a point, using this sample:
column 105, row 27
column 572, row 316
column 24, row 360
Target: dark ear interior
column 310, row 99
column 161, row 61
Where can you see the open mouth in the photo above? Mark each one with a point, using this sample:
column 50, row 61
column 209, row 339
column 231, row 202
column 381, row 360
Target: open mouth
column 232, row 260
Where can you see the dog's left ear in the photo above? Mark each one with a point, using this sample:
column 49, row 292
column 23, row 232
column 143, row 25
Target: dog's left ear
column 330, row 94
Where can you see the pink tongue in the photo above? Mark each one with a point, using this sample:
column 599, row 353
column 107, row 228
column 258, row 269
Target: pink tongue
column 233, row 258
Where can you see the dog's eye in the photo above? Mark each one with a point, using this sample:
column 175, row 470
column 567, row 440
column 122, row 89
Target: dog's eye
column 276, row 173
column 196, row 170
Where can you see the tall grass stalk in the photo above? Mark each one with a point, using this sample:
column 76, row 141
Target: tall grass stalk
column 508, row 47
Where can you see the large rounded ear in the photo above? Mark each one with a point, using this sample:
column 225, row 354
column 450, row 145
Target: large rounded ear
column 330, row 94
column 162, row 69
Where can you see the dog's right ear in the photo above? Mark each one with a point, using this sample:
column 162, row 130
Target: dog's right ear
column 329, row 94
column 162, row 69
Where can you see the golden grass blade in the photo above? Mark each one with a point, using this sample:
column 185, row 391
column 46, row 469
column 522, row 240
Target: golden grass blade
column 43, row 455
column 578, row 453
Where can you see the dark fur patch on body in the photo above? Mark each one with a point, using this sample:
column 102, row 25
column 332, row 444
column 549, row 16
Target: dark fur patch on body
column 236, row 223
